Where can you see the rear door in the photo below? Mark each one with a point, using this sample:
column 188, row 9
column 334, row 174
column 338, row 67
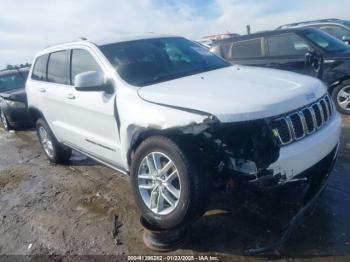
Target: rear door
column 287, row 52
column 54, row 92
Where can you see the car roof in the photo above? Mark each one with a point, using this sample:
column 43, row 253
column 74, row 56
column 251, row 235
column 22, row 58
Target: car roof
column 13, row 71
column 105, row 41
column 126, row 38
column 321, row 21
column 265, row 33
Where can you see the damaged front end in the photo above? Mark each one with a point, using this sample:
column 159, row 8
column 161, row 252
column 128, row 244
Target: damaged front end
column 239, row 156
column 240, row 152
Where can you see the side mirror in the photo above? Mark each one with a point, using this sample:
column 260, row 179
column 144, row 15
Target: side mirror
column 91, row 81
column 346, row 39
column 310, row 58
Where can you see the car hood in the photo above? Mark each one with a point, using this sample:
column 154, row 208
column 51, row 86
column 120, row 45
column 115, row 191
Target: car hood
column 237, row 93
column 15, row 95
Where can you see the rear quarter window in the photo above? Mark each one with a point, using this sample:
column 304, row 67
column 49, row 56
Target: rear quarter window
column 39, row 69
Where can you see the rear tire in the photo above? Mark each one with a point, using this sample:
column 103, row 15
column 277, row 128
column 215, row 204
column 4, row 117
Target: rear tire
column 189, row 192
column 341, row 97
column 55, row 151
column 4, row 121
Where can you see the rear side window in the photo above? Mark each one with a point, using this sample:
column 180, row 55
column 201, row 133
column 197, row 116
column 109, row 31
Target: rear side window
column 39, row 70
column 246, row 49
column 58, row 68
column 286, row 45
column 82, row 61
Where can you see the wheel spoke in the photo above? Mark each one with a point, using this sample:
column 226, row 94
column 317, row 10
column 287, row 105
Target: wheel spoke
column 153, row 199
column 168, row 198
column 150, row 164
column 171, row 177
column 147, row 186
column 146, row 176
column 345, row 103
column 342, row 93
column 166, row 167
column 156, row 161
column 174, row 191
column 160, row 202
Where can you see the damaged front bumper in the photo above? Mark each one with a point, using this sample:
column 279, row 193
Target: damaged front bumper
column 295, row 158
column 314, row 182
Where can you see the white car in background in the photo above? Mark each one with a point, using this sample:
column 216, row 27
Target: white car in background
column 177, row 118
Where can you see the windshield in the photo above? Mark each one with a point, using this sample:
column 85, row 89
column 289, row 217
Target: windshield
column 10, row 82
column 149, row 61
column 325, row 41
column 347, row 23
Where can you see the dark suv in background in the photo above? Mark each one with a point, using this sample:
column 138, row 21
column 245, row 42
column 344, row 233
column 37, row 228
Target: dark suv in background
column 303, row 50
column 335, row 27
column 13, row 98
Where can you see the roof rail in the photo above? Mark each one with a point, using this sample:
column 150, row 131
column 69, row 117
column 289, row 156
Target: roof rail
column 67, row 42
column 310, row 22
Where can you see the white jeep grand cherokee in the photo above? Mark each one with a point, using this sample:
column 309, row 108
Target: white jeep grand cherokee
column 178, row 118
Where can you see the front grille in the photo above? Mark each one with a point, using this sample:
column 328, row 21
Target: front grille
column 296, row 125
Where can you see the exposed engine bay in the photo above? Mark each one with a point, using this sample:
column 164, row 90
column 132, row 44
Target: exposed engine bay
column 240, row 151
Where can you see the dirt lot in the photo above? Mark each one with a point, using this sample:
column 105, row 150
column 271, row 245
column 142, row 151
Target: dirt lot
column 69, row 210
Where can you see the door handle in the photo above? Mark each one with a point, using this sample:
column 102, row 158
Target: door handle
column 69, row 96
column 42, row 90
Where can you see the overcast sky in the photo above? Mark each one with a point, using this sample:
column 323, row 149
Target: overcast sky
column 27, row 26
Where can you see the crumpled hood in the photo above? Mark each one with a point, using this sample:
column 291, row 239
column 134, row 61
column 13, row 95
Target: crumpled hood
column 237, row 93
column 15, row 95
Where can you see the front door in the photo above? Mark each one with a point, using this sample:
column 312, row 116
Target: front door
column 287, row 52
column 95, row 127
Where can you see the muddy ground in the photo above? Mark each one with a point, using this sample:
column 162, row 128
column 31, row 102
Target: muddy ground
column 69, row 210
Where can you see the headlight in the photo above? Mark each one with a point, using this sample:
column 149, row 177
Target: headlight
column 16, row 104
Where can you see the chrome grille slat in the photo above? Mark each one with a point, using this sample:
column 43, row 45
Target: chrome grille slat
column 321, row 113
column 298, row 124
column 303, row 122
column 291, row 128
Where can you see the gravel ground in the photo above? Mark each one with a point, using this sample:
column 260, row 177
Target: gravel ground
column 48, row 209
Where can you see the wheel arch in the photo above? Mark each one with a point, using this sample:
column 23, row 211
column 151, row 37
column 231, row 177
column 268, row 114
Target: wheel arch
column 35, row 114
column 140, row 134
column 338, row 82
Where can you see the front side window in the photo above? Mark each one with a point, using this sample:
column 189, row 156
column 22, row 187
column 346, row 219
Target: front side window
column 57, row 69
column 288, row 44
column 39, row 69
column 11, row 81
column 336, row 31
column 82, row 61
column 246, row 49
column 149, row 61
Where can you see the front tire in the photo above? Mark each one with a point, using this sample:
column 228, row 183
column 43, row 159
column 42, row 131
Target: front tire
column 55, row 151
column 341, row 97
column 168, row 186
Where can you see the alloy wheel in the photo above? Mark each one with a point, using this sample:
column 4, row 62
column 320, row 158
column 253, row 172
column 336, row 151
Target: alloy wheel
column 159, row 183
column 343, row 98
column 46, row 142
